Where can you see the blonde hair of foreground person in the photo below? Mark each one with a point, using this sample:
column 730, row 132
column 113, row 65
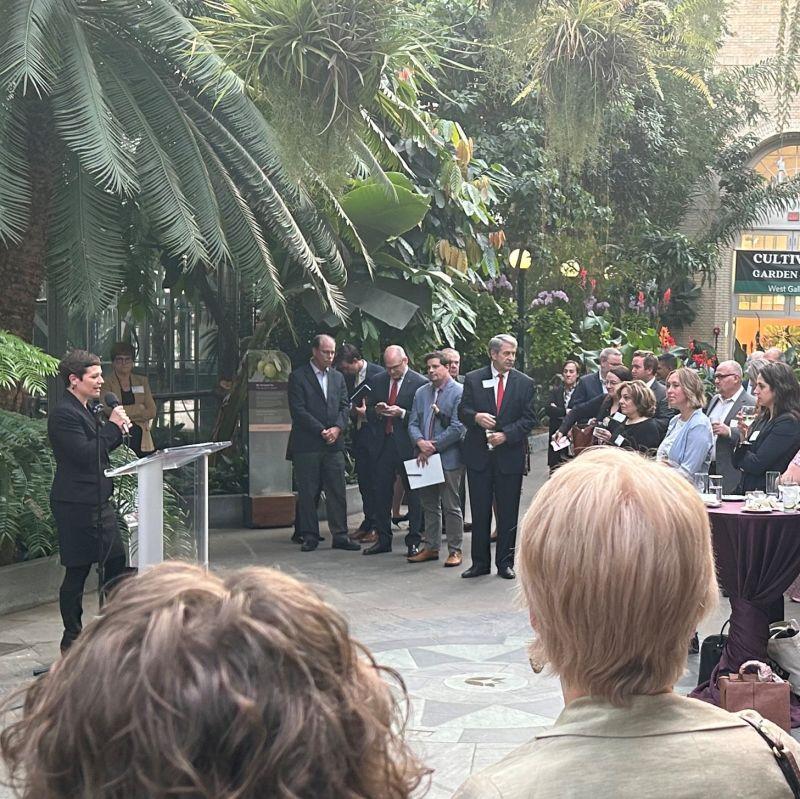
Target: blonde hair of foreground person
column 616, row 568
column 194, row 686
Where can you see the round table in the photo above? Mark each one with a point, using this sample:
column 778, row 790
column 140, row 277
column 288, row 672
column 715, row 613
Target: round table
column 758, row 558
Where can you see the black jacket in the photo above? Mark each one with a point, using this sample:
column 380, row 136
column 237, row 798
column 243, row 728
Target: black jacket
column 643, row 436
column 516, row 419
column 311, row 413
column 381, row 386
column 772, row 450
column 361, row 436
column 589, row 386
column 73, row 434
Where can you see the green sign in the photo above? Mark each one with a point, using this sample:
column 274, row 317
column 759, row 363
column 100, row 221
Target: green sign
column 767, row 272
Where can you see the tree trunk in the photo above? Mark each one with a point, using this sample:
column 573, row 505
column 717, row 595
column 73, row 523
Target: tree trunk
column 22, row 266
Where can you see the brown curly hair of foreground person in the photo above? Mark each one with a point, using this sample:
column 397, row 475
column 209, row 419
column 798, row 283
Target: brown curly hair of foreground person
column 197, row 686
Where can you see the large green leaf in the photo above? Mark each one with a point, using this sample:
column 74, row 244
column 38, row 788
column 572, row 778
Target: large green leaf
column 15, row 186
column 84, row 120
column 379, row 218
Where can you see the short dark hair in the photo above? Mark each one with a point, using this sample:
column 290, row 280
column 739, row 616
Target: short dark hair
column 649, row 361
column 348, row 353
column 668, row 359
column 444, row 360
column 122, row 348
column 76, row 362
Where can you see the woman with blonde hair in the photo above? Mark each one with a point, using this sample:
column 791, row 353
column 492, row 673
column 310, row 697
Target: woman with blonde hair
column 614, row 525
column 689, row 441
column 193, row 685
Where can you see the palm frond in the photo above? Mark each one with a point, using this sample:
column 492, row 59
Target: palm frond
column 372, row 167
column 28, row 48
column 379, row 143
column 162, row 196
column 694, row 80
column 15, row 185
column 84, row 120
column 86, row 252
column 410, row 122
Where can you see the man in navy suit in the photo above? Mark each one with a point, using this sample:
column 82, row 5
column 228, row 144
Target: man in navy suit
column 497, row 410
column 388, row 411
column 592, row 385
column 359, row 372
column 644, row 365
column 318, row 404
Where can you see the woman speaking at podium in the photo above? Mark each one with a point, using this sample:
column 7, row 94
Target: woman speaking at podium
column 86, row 520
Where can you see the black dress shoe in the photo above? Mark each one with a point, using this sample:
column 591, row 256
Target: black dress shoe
column 343, row 542
column 474, row 571
column 297, row 538
column 309, row 546
column 467, row 527
column 376, row 549
column 413, row 549
column 506, row 572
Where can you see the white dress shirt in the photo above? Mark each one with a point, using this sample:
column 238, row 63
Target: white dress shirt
column 495, row 375
column 322, row 378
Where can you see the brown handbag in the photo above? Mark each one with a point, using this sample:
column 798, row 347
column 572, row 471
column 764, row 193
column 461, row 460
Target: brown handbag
column 582, row 438
column 746, row 692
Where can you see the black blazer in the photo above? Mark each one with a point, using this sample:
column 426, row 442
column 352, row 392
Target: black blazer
column 516, row 419
column 363, row 435
column 311, row 413
column 405, row 399
column 579, row 413
column 73, row 434
column 663, row 412
column 643, row 436
column 777, row 443
column 589, row 386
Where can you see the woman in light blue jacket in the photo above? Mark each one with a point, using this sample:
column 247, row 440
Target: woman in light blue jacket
column 689, row 441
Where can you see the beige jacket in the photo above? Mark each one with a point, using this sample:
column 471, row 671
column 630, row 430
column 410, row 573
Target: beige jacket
column 666, row 746
column 144, row 409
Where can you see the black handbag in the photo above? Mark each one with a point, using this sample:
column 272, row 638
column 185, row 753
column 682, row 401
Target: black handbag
column 710, row 653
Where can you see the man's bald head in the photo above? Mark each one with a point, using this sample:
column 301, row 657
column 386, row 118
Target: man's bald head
column 395, row 360
column 323, row 351
column 773, row 354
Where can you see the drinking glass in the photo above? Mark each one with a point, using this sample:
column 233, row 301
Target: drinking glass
column 790, row 493
column 715, row 486
column 748, row 414
column 772, row 484
column 701, row 482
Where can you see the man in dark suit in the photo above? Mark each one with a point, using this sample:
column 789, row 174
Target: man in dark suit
column 357, row 372
column 388, row 411
column 667, row 363
column 722, row 411
column 643, row 367
column 318, row 404
column 81, row 492
column 592, row 385
column 497, row 410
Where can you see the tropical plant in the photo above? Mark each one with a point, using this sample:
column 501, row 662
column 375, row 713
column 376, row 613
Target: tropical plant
column 24, row 367
column 119, row 118
column 549, row 331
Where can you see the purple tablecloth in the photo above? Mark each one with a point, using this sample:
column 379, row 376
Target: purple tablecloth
column 758, row 558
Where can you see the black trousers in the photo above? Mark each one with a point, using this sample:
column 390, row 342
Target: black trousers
column 485, row 486
column 388, row 465
column 365, row 469
column 70, row 595
column 313, row 472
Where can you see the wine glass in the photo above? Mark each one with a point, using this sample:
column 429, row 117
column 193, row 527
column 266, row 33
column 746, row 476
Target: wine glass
column 748, row 414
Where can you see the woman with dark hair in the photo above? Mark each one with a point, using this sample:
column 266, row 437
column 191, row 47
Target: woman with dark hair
column 640, row 431
column 194, row 685
column 603, row 409
column 133, row 392
column 771, row 442
column 557, row 405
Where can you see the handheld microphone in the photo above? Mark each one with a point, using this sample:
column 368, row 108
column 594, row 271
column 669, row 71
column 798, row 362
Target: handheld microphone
column 112, row 401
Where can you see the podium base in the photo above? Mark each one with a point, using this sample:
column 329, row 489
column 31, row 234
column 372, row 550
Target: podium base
column 275, row 510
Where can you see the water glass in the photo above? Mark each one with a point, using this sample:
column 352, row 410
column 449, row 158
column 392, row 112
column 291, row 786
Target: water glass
column 700, row 481
column 790, row 494
column 772, row 484
column 715, row 486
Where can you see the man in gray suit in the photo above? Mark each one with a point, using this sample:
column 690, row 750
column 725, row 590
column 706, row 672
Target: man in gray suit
column 434, row 428
column 721, row 411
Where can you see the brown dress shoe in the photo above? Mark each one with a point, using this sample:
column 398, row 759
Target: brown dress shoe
column 369, row 537
column 423, row 555
column 453, row 559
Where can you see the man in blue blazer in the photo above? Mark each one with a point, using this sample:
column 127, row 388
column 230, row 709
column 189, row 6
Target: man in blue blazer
column 359, row 372
column 497, row 410
column 435, row 429
column 388, row 409
column 318, row 404
column 592, row 385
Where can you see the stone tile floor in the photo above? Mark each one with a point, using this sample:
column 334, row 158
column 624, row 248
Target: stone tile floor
column 460, row 645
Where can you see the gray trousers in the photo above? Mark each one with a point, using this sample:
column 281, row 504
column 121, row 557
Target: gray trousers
column 439, row 500
column 314, row 471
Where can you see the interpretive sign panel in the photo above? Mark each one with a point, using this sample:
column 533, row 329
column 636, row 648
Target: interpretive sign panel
column 767, row 272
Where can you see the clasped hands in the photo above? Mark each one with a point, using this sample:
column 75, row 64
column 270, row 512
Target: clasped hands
column 330, row 434
column 488, row 422
column 426, row 449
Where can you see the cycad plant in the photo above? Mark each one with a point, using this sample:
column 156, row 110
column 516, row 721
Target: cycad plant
column 118, row 118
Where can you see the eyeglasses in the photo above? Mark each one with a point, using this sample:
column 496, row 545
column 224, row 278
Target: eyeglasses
column 722, row 377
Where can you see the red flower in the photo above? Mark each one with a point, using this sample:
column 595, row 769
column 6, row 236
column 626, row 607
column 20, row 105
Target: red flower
column 699, row 359
column 592, row 283
column 583, row 274
column 640, row 299
column 667, row 296
column 404, row 74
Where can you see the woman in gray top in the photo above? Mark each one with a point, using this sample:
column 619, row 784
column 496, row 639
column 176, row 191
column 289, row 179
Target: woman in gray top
column 634, row 537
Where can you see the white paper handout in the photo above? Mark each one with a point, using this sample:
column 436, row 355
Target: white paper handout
column 430, row 474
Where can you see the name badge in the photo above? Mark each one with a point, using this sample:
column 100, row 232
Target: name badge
column 137, row 389
column 618, row 416
column 488, row 383
column 619, row 441
column 754, row 435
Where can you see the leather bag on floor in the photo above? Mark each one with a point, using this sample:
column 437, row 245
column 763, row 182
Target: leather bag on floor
column 710, row 653
column 746, row 691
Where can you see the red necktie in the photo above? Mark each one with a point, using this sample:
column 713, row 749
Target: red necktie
column 389, row 424
column 500, row 391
